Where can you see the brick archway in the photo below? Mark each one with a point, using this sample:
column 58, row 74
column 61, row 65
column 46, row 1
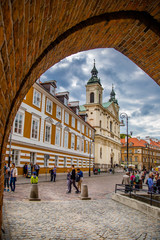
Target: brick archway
column 34, row 35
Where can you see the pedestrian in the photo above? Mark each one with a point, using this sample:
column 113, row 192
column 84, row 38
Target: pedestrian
column 126, row 182
column 143, row 176
column 51, row 172
column 6, row 178
column 137, row 180
column 54, row 173
column 155, row 178
column 80, row 174
column 34, row 178
column 13, row 178
column 150, row 182
column 25, row 170
column 68, row 180
column 73, row 177
column 37, row 168
column 158, row 184
column 132, row 178
column 99, row 170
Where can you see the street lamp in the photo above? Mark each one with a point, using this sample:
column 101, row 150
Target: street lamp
column 10, row 142
column 122, row 116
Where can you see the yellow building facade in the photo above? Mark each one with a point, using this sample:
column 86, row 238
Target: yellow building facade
column 104, row 117
column 49, row 131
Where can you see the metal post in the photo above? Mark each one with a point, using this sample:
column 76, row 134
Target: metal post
column 89, row 159
column 127, row 137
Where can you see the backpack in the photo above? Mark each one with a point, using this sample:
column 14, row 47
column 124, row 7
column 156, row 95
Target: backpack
column 77, row 178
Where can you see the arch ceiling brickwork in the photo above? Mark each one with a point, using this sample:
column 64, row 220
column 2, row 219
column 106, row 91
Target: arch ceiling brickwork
column 36, row 34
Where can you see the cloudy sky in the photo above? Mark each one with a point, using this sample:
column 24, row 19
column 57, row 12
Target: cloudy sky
column 138, row 95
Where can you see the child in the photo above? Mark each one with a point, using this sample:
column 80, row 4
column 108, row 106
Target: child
column 68, row 180
column 34, row 178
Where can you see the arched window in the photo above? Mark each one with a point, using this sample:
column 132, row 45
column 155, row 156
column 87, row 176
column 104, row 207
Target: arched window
column 100, row 152
column 92, row 97
column 99, row 98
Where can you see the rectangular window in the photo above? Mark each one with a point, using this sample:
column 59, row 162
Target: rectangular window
column 87, row 131
column 77, row 111
column 65, row 101
column 82, row 128
column 78, row 143
column 78, row 125
column 73, row 122
column 48, row 133
column 37, row 98
column 46, row 160
column 136, row 159
column 18, row 123
column 86, row 146
column 58, row 112
column 35, row 128
column 110, row 126
column 49, row 106
column 66, row 118
column 82, row 145
column 66, row 139
column 58, row 133
column 15, row 156
column 72, row 141
column 56, row 160
column 32, row 157
column 65, row 162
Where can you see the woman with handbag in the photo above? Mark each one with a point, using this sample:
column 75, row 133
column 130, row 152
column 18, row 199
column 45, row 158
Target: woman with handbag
column 13, row 177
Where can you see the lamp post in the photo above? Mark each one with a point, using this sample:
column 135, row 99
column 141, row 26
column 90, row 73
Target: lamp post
column 122, row 116
column 89, row 172
column 10, row 142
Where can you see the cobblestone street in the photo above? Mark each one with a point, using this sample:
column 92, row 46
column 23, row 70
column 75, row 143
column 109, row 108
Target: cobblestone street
column 64, row 216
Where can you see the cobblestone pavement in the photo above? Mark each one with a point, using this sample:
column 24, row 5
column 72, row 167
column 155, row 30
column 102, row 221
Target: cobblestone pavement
column 60, row 218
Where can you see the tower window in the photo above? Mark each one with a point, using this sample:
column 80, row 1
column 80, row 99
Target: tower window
column 100, row 98
column 92, row 97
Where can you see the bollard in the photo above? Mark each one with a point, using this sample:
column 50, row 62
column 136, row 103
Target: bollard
column 34, row 193
column 84, row 193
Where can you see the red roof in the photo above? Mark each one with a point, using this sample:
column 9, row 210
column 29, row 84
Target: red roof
column 140, row 142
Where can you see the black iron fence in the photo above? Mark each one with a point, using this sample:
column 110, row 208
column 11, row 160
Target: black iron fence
column 139, row 192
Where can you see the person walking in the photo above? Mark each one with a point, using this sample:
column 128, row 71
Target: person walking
column 80, row 174
column 158, row 184
column 126, row 182
column 6, row 178
column 37, row 168
column 137, row 180
column 150, row 182
column 73, row 177
column 54, row 173
column 68, row 179
column 25, row 170
column 13, row 178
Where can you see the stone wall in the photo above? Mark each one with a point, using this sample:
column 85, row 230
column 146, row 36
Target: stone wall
column 34, row 35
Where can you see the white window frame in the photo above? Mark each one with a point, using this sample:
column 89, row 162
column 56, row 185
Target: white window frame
column 82, row 145
column 78, row 143
column 36, row 103
column 86, row 146
column 58, row 112
column 66, row 117
column 18, row 155
column 87, row 131
column 58, row 132
column 90, row 132
column 82, row 128
column 72, row 141
column 73, row 122
column 37, row 120
column 47, row 125
column 48, row 104
column 65, row 139
column 65, row 101
column 22, row 114
column 78, row 125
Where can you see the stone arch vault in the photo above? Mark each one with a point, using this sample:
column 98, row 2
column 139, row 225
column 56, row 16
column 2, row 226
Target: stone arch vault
column 36, row 34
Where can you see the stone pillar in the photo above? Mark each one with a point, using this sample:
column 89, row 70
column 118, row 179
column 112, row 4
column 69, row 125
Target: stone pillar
column 34, row 193
column 84, row 193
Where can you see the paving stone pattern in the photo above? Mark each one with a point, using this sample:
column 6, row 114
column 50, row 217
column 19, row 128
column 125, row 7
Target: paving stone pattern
column 95, row 219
